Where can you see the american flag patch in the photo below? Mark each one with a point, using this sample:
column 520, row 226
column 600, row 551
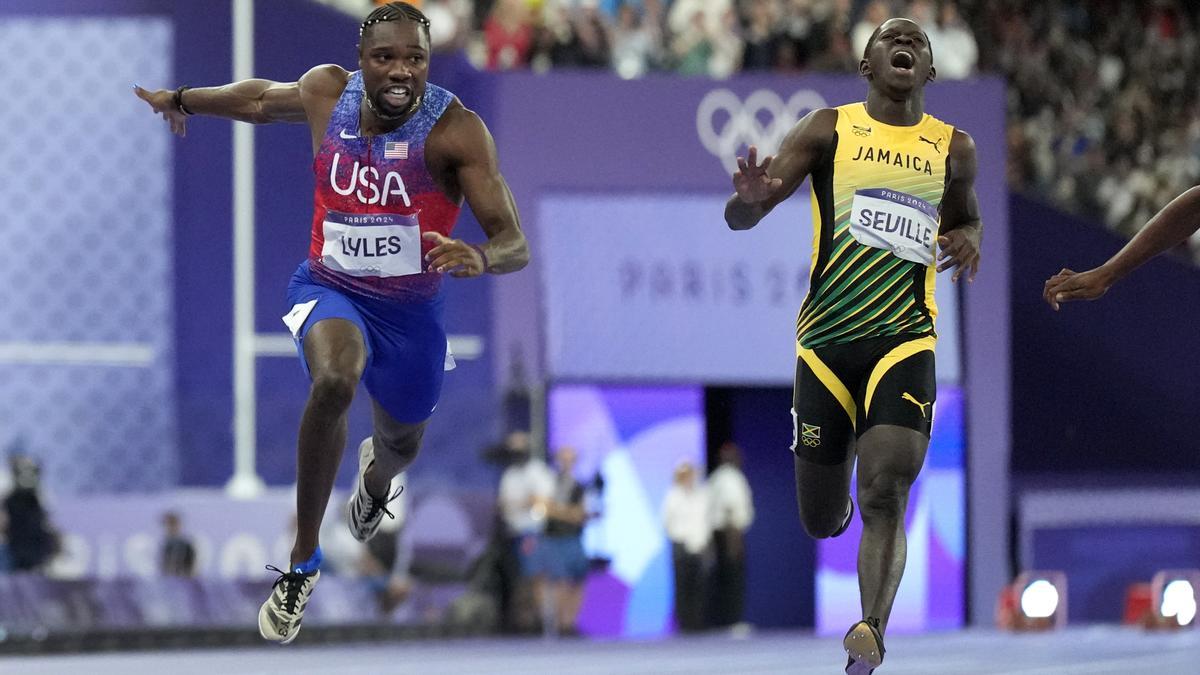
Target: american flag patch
column 395, row 150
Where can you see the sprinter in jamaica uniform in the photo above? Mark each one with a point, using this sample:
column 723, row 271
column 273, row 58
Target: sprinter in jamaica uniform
column 893, row 203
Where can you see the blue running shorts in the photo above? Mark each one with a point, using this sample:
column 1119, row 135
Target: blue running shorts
column 406, row 342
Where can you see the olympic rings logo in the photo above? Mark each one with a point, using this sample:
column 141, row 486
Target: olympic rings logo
column 725, row 123
column 811, row 442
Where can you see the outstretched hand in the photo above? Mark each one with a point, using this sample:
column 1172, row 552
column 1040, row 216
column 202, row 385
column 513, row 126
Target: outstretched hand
column 960, row 250
column 751, row 181
column 454, row 256
column 162, row 102
column 1069, row 285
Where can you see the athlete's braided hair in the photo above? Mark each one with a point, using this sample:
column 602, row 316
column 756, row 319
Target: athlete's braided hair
column 395, row 11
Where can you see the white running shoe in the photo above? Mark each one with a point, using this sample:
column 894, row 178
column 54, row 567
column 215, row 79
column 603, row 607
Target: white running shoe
column 366, row 512
column 279, row 617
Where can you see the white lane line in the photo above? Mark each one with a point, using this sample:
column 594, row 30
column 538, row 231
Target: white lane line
column 465, row 347
column 137, row 354
column 274, row 344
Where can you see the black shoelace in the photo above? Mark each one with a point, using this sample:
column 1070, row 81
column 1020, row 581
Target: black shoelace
column 378, row 505
column 292, row 583
column 874, row 623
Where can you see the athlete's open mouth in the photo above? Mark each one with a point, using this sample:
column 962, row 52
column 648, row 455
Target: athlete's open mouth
column 903, row 60
column 397, row 95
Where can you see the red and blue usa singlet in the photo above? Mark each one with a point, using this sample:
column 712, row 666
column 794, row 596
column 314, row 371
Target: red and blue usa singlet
column 374, row 199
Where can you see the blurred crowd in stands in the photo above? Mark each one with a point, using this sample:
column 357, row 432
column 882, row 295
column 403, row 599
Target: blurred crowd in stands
column 1103, row 106
column 1103, row 109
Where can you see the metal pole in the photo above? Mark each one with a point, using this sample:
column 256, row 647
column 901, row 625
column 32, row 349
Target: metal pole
column 245, row 482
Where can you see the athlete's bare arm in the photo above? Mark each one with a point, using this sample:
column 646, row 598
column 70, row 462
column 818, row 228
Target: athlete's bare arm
column 1167, row 229
column 462, row 153
column 758, row 188
column 310, row 99
column 961, row 230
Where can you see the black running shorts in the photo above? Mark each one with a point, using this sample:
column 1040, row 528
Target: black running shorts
column 843, row 390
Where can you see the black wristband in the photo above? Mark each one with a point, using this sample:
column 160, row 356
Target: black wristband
column 178, row 100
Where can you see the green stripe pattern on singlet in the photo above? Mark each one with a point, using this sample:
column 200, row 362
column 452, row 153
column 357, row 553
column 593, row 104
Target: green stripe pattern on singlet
column 866, row 292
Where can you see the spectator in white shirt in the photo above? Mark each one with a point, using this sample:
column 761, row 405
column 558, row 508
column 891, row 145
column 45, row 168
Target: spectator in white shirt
column 682, row 14
column 731, row 512
column 685, row 517
column 957, row 52
column 525, row 488
column 875, row 14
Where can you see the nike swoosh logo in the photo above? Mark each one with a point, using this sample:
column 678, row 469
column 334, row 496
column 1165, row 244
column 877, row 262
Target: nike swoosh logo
column 347, row 136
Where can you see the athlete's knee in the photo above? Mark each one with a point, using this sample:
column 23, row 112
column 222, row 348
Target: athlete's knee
column 403, row 442
column 884, row 496
column 821, row 528
column 821, row 523
column 333, row 391
column 403, row 451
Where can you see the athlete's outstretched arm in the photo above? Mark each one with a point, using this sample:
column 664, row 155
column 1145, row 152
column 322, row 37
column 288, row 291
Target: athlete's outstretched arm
column 961, row 231
column 255, row 101
column 471, row 155
column 1167, row 229
column 759, row 187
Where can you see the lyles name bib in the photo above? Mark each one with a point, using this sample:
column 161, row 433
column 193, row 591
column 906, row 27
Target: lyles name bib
column 372, row 244
column 895, row 221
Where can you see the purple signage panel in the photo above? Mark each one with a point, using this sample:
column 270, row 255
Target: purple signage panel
column 633, row 437
column 671, row 294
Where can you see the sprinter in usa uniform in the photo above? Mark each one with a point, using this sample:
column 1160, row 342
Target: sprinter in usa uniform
column 394, row 158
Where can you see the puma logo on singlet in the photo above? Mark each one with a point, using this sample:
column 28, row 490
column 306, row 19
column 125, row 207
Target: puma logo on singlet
column 909, row 397
column 936, row 145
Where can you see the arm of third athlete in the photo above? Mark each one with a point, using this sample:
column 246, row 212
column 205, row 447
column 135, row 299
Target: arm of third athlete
column 1167, row 229
column 758, row 188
